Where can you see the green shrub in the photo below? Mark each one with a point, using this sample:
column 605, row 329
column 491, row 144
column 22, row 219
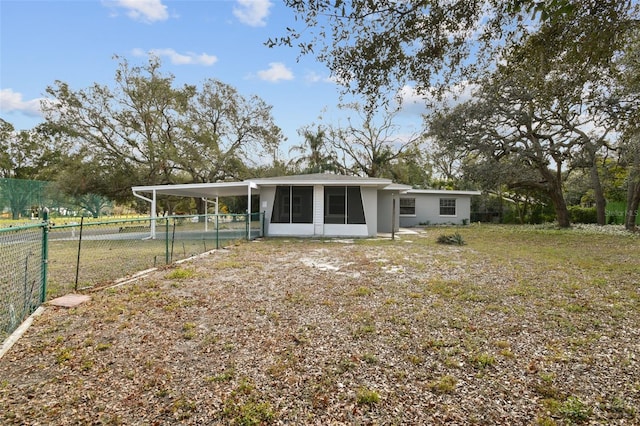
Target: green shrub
column 451, row 239
column 583, row 214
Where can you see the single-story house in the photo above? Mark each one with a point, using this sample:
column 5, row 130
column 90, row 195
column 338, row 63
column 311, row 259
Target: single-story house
column 328, row 205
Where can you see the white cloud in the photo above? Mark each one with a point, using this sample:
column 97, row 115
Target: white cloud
column 411, row 102
column 414, row 102
column 188, row 58
column 277, row 71
column 11, row 101
column 314, row 77
column 252, row 12
column 142, row 10
column 460, row 93
column 410, row 96
column 336, row 79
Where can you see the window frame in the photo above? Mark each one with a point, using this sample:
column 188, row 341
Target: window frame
column 347, row 207
column 289, row 206
column 443, row 205
column 413, row 206
column 301, row 212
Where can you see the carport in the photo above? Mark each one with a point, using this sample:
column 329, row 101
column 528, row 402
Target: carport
column 205, row 191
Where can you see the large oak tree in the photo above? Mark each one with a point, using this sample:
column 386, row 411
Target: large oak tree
column 146, row 131
column 375, row 46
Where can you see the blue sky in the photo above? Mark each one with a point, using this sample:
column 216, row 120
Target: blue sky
column 75, row 40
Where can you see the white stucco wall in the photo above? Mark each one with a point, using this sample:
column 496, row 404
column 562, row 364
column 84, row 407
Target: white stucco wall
column 385, row 210
column 428, row 210
column 370, row 205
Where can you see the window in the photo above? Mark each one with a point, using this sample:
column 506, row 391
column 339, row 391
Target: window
column 447, row 206
column 293, row 204
column 408, row 206
column 355, row 212
column 343, row 204
column 334, row 204
column 302, row 204
column 282, row 205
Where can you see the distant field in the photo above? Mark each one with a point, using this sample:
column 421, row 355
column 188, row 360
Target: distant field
column 4, row 222
column 519, row 326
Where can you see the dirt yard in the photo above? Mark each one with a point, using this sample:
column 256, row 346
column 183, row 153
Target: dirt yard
column 512, row 328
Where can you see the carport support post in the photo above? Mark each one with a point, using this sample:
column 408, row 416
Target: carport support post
column 153, row 216
column 248, row 211
column 206, row 213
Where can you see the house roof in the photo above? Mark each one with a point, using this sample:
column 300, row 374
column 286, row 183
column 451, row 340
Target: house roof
column 229, row 189
column 397, row 187
column 326, row 179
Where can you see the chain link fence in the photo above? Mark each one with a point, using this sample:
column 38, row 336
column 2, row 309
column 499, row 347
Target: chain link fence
column 48, row 260
column 22, row 274
column 91, row 254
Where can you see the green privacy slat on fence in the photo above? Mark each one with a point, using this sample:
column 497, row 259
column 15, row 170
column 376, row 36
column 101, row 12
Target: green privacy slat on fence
column 38, row 262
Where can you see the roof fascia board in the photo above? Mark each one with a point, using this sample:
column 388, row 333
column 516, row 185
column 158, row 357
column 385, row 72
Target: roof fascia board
column 199, row 189
column 443, row 191
column 151, row 188
column 376, row 183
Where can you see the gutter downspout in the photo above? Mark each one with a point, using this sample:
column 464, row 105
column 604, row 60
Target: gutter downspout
column 206, row 221
column 249, row 211
column 153, row 211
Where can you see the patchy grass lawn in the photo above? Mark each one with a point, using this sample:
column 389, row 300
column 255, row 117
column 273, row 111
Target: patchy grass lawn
column 518, row 326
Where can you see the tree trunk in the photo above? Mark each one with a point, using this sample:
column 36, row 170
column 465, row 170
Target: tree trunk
column 562, row 213
column 201, row 206
column 554, row 190
column 632, row 210
column 560, row 205
column 633, row 199
column 601, row 202
column 633, row 190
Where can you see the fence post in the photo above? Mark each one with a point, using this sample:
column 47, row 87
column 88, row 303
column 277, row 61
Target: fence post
column 247, row 226
column 45, row 256
column 75, row 287
column 166, row 240
column 217, row 231
column 173, row 238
